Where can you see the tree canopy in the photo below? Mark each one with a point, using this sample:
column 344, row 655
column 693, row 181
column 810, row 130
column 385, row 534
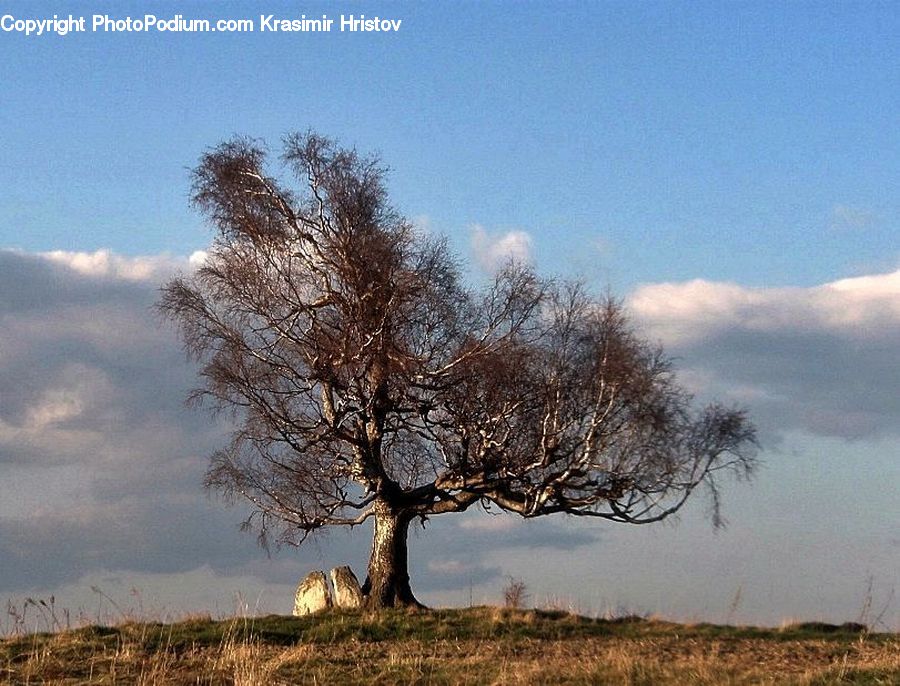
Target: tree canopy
column 371, row 379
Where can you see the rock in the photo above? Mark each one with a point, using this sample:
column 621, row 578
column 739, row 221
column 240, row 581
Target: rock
column 312, row 594
column 346, row 588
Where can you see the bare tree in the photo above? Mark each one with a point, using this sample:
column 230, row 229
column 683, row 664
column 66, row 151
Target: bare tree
column 370, row 381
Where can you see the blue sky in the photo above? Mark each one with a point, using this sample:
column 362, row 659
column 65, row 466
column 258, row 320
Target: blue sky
column 753, row 146
column 685, row 139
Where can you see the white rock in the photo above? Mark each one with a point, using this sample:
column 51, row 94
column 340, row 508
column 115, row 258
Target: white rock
column 313, row 594
column 346, row 588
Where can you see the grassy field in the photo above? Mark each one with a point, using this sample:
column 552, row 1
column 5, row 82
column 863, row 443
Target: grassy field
column 458, row 646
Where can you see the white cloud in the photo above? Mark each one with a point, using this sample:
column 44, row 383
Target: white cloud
column 197, row 258
column 105, row 263
column 872, row 287
column 55, row 406
column 821, row 358
column 691, row 311
column 59, row 418
column 493, row 251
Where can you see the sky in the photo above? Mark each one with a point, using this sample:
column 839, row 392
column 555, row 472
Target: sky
column 730, row 170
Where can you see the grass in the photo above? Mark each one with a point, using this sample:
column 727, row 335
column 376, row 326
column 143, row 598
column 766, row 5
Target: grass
column 453, row 646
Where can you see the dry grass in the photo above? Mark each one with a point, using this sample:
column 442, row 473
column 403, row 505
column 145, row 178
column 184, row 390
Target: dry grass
column 477, row 646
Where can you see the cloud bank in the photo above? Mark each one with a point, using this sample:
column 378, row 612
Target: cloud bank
column 820, row 359
column 101, row 464
column 99, row 460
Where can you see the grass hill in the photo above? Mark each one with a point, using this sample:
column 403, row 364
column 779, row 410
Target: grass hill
column 453, row 646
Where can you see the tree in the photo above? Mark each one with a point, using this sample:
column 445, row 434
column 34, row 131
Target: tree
column 369, row 381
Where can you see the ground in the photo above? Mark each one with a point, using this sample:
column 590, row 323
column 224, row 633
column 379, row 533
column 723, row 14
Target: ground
column 459, row 646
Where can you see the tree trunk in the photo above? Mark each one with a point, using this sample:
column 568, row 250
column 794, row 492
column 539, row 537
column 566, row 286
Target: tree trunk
column 387, row 584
